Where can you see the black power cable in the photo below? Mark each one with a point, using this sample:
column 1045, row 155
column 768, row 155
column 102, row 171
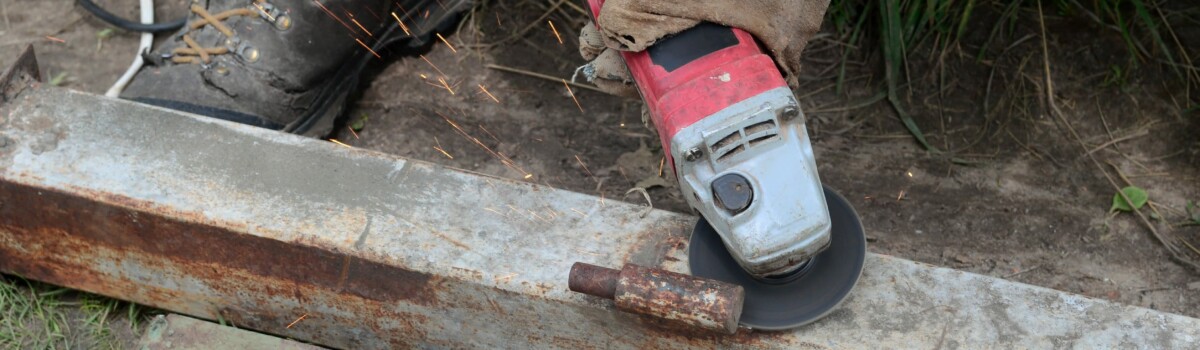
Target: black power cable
column 130, row 25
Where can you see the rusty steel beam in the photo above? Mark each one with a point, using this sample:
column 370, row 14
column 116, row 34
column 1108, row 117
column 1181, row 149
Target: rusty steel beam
column 218, row 220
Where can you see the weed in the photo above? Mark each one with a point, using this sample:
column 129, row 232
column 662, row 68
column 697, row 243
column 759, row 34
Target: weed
column 1137, row 198
column 96, row 314
column 34, row 315
column 1193, row 214
column 58, row 79
column 904, row 26
column 103, row 35
column 359, row 123
column 1116, row 76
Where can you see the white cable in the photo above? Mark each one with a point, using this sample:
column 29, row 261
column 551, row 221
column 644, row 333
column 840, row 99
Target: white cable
column 144, row 46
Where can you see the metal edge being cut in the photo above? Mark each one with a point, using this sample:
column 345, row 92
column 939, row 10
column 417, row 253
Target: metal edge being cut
column 794, row 301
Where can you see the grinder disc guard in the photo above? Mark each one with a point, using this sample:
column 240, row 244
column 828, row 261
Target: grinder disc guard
column 797, row 299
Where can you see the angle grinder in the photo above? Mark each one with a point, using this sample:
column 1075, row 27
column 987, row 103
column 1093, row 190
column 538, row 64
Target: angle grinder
column 740, row 150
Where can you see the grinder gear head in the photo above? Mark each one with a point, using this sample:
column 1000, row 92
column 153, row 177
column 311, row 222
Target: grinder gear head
column 750, row 171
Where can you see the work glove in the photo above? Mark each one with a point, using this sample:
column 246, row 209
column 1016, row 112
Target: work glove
column 783, row 26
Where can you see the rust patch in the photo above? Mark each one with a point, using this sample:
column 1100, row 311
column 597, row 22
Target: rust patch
column 654, row 245
column 48, row 219
column 661, row 331
column 674, row 298
column 245, row 300
column 593, row 280
column 679, row 298
column 571, row 343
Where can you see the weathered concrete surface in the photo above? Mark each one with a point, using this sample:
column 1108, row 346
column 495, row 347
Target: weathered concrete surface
column 175, row 332
column 218, row 220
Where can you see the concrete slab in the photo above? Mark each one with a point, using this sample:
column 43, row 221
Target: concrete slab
column 177, row 332
column 219, row 220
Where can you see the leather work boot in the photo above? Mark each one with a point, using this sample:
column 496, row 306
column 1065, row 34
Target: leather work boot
column 281, row 64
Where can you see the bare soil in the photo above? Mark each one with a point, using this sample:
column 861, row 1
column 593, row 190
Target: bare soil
column 1011, row 194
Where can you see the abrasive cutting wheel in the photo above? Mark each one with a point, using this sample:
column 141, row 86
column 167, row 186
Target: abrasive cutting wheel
column 798, row 298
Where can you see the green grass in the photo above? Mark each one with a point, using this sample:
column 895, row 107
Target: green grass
column 39, row 316
column 903, row 26
column 895, row 29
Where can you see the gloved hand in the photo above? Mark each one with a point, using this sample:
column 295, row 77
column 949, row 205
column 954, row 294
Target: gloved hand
column 783, row 26
column 606, row 68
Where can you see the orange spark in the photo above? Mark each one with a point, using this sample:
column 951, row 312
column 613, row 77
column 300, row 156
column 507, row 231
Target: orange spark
column 352, row 132
column 264, row 12
column 585, row 168
column 485, row 130
column 423, row 76
column 330, row 13
column 572, row 95
column 579, row 212
column 340, row 143
column 402, row 26
column 901, row 196
column 439, row 148
column 434, row 84
column 488, row 93
column 297, row 320
column 406, row 15
column 660, row 165
column 439, row 35
column 536, row 216
column 372, row 12
column 360, row 26
column 60, row 41
column 446, row 85
column 555, row 31
column 503, row 159
column 507, row 277
column 432, row 65
column 368, row 48
column 584, row 252
column 451, row 240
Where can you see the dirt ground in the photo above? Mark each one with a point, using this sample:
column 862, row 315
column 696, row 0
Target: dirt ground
column 1013, row 194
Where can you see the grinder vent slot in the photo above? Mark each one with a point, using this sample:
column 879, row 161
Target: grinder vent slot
column 762, row 139
column 743, row 138
column 728, row 140
column 760, row 127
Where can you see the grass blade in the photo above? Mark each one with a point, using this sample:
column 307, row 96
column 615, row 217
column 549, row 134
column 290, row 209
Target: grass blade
column 1152, row 27
column 893, row 53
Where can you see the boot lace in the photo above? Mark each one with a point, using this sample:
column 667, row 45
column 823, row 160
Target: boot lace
column 196, row 53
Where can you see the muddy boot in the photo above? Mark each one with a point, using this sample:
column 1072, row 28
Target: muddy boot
column 282, row 64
